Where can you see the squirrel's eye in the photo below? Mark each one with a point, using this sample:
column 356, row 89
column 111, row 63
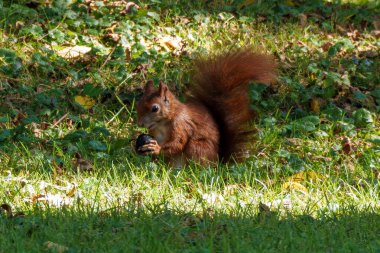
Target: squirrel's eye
column 155, row 108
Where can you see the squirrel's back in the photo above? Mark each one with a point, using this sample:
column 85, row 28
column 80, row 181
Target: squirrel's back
column 221, row 85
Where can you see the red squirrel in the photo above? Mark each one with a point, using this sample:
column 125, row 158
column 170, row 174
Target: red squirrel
column 213, row 123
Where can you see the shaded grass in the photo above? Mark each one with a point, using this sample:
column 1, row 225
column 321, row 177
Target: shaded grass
column 163, row 230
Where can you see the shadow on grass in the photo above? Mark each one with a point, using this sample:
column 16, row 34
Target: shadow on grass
column 163, row 230
column 360, row 14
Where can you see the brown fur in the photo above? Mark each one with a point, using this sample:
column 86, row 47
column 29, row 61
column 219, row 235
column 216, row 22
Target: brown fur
column 213, row 123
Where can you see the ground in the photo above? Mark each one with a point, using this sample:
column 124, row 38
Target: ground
column 70, row 181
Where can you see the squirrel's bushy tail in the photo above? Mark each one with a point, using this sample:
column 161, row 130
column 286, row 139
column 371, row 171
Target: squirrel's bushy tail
column 221, row 84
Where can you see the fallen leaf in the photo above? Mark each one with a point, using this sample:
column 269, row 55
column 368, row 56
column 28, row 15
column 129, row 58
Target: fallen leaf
column 170, row 43
column 82, row 164
column 19, row 117
column 376, row 24
column 72, row 191
column 376, row 33
column 85, row 101
column 325, row 47
column 368, row 53
column 142, row 68
column 114, row 36
column 347, row 146
column 57, row 200
column 294, row 186
column 302, row 19
column 305, row 176
column 73, row 52
column 289, row 3
column 315, row 105
column 129, row 7
column 341, row 29
column 58, row 168
column 354, row 35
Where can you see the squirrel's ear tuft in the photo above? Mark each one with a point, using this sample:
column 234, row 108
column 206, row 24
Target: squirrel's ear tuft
column 149, row 88
column 163, row 88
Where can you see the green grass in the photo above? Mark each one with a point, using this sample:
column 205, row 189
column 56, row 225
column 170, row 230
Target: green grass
column 73, row 174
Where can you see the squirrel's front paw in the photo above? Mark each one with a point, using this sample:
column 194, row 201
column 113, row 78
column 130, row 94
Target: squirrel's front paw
column 151, row 148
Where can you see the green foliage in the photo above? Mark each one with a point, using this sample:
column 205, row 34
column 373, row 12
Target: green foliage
column 72, row 169
column 10, row 64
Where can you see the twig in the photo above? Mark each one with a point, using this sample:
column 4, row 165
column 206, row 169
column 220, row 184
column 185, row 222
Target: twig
column 60, row 120
column 108, row 56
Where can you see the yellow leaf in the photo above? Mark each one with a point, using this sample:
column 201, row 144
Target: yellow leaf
column 71, row 192
column 73, row 52
column 303, row 176
column 85, row 101
column 294, row 186
column 290, row 3
column 315, row 105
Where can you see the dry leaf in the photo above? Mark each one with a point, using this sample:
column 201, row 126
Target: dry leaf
column 20, row 116
column 58, row 168
column 306, row 175
column 170, row 43
column 86, row 102
column 341, row 29
column 354, row 35
column 315, row 105
column 72, row 191
column 368, row 53
column 114, row 36
column 129, row 7
column 376, row 33
column 142, row 68
column 302, row 19
column 82, row 164
column 73, row 52
column 55, row 247
column 289, row 3
column 325, row 47
column 376, row 24
column 57, row 200
column 347, row 146
column 294, row 186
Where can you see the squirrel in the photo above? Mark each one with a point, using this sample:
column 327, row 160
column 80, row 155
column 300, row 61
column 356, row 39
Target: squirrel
column 213, row 123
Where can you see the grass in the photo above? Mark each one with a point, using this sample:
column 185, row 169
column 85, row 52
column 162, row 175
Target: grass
column 74, row 184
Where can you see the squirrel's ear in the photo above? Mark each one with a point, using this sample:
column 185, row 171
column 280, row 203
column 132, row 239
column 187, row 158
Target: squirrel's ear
column 149, row 88
column 163, row 90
